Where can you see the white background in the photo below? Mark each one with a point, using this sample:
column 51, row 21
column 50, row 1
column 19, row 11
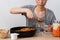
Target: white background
column 8, row 20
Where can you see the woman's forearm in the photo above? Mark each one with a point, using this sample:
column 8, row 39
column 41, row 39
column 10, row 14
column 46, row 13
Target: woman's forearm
column 18, row 10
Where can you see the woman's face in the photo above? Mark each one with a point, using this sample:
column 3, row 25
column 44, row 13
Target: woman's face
column 41, row 2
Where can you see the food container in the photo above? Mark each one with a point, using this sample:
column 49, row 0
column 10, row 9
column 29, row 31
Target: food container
column 56, row 29
column 14, row 36
column 3, row 33
column 23, row 31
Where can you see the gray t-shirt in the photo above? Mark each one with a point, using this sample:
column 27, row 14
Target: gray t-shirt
column 48, row 18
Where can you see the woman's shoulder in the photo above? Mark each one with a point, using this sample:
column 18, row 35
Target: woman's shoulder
column 31, row 7
column 28, row 6
column 50, row 11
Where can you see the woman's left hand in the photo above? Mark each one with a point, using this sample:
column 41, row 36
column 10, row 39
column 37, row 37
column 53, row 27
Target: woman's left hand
column 50, row 28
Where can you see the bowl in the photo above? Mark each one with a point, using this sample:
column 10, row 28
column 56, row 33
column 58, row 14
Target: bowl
column 3, row 33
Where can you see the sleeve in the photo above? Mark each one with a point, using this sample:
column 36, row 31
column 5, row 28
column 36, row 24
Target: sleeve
column 53, row 18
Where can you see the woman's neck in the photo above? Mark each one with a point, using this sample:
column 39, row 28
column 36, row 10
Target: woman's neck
column 40, row 8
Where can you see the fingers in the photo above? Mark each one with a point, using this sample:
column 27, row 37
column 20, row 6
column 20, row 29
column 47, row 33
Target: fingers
column 50, row 29
column 29, row 14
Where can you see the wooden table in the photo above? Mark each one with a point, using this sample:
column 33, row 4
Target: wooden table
column 39, row 36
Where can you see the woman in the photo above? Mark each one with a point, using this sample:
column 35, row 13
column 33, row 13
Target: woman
column 36, row 11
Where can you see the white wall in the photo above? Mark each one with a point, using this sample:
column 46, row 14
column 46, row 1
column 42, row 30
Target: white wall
column 8, row 20
column 55, row 6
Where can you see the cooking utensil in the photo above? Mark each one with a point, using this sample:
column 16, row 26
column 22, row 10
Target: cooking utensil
column 22, row 33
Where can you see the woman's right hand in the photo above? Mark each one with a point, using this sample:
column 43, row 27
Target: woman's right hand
column 29, row 14
column 21, row 10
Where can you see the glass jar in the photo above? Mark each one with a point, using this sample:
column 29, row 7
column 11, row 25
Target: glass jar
column 56, row 29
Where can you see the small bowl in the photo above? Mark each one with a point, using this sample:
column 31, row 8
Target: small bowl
column 3, row 33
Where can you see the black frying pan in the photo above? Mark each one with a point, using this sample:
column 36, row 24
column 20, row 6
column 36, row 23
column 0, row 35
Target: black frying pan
column 21, row 33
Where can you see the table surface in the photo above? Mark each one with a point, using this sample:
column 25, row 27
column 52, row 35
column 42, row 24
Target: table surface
column 39, row 36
